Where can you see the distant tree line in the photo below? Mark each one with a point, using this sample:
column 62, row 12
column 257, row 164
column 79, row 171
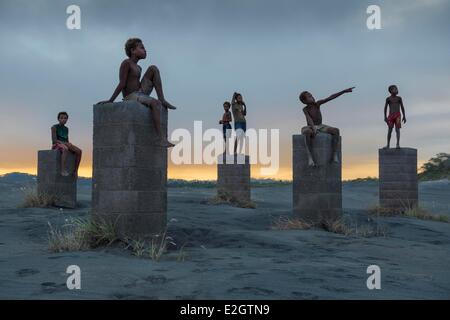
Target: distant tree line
column 436, row 168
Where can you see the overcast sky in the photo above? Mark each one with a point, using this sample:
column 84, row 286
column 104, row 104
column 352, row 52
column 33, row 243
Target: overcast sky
column 206, row 49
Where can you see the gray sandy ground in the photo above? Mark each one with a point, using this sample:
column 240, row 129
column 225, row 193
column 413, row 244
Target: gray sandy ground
column 232, row 253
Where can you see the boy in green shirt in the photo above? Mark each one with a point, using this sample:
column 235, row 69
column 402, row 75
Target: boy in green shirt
column 60, row 141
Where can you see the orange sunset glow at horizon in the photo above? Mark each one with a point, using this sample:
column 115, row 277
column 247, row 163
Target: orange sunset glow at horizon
column 209, row 172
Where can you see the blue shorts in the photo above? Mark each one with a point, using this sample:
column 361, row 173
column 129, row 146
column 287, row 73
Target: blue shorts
column 240, row 125
column 226, row 127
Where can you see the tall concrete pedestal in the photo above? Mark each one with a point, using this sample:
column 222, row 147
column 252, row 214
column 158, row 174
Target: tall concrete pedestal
column 398, row 184
column 51, row 183
column 317, row 191
column 129, row 183
column 233, row 176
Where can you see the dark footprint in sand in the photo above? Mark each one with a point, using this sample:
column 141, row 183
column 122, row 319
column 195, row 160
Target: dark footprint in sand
column 121, row 296
column 151, row 279
column 305, row 280
column 51, row 287
column 156, row 279
column 278, row 261
column 60, row 257
column 245, row 275
column 131, row 285
column 336, row 290
column 126, row 296
column 304, row 295
column 26, row 272
column 187, row 297
column 251, row 290
column 236, row 265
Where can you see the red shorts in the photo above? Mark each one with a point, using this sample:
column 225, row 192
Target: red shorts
column 60, row 146
column 395, row 118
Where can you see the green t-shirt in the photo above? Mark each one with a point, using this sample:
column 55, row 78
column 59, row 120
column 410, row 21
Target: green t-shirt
column 62, row 133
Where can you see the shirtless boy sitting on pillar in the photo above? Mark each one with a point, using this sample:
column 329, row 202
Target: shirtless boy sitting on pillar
column 133, row 88
column 314, row 123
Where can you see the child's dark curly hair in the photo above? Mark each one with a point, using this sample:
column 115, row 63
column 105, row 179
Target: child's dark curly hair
column 392, row 87
column 131, row 44
column 62, row 113
column 302, row 96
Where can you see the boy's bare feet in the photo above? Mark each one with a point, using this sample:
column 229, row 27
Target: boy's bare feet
column 166, row 143
column 166, row 104
column 398, row 146
column 311, row 162
column 64, row 173
column 386, row 147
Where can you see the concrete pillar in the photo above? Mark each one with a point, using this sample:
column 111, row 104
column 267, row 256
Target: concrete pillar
column 317, row 191
column 233, row 176
column 129, row 180
column 398, row 178
column 50, row 182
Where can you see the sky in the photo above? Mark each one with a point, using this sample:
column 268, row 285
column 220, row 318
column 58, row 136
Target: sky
column 269, row 51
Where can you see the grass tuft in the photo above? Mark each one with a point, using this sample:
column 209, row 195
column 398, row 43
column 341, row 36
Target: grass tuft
column 154, row 247
column 81, row 234
column 421, row 213
column 225, row 198
column 158, row 246
column 67, row 239
column 34, row 200
column 408, row 211
column 138, row 247
column 338, row 226
column 182, row 254
column 287, row 223
column 342, row 227
column 384, row 212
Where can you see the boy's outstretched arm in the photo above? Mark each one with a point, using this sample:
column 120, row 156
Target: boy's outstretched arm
column 123, row 75
column 403, row 110
column 334, row 96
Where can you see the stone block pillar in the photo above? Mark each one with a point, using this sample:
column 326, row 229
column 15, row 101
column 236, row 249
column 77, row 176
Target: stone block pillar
column 398, row 178
column 51, row 183
column 129, row 180
column 317, row 191
column 233, row 177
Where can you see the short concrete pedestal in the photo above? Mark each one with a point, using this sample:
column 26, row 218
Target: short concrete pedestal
column 398, row 178
column 129, row 183
column 317, row 191
column 51, row 183
column 233, row 177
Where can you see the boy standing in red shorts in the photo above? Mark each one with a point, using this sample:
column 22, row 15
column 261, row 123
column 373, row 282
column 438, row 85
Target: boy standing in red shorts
column 395, row 104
